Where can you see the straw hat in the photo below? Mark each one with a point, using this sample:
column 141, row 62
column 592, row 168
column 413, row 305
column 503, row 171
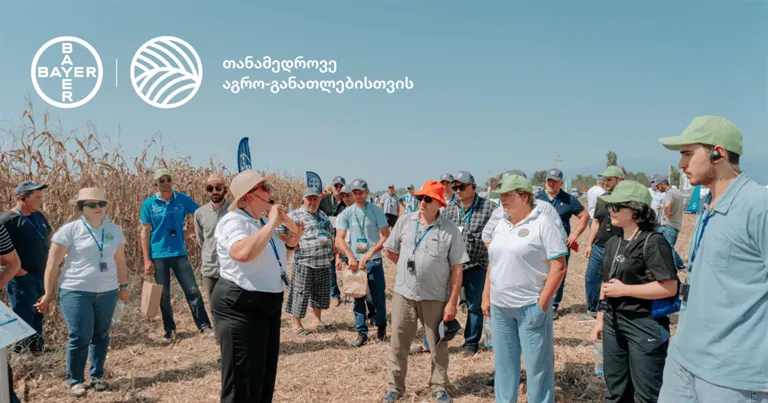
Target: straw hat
column 243, row 182
column 89, row 194
column 215, row 178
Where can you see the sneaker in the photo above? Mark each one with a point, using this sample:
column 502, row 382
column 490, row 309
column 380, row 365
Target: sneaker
column 362, row 338
column 77, row 390
column 443, row 397
column 381, row 333
column 207, row 330
column 390, row 397
column 554, row 312
column 469, row 351
column 168, row 337
column 99, row 385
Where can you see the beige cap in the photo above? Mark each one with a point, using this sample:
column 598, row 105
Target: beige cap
column 89, row 194
column 215, row 178
column 243, row 182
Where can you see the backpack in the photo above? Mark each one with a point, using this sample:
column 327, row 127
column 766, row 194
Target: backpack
column 663, row 307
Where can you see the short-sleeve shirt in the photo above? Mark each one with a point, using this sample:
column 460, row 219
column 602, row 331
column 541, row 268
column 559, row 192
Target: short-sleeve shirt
column 605, row 230
column 441, row 248
column 31, row 237
column 520, row 256
column 260, row 274
column 206, row 218
column 81, row 271
column 363, row 224
column 389, row 203
column 499, row 214
column 471, row 223
column 6, row 245
column 316, row 244
column 675, row 197
column 721, row 333
column 626, row 260
column 166, row 216
column 566, row 206
column 592, row 195
column 411, row 204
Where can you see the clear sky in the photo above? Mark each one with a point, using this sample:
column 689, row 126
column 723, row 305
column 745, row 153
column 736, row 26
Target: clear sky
column 497, row 84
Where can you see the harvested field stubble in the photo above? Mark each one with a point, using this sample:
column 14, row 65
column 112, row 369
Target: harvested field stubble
column 321, row 367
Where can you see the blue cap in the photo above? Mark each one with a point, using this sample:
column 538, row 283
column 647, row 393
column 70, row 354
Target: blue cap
column 28, row 186
column 555, row 174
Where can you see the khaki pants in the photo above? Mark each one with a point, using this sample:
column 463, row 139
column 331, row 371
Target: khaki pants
column 405, row 316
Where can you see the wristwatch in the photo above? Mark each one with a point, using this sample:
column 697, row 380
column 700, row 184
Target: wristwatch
column 290, row 247
column 123, row 287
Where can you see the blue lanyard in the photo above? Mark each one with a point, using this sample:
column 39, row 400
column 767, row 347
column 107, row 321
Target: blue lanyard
column 271, row 241
column 415, row 242
column 468, row 215
column 100, row 246
column 365, row 216
column 700, row 231
column 35, row 225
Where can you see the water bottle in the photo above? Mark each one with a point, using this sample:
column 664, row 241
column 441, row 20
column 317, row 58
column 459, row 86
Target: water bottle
column 118, row 311
column 598, row 347
column 487, row 333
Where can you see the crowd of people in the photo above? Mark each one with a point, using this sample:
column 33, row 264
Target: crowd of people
column 506, row 261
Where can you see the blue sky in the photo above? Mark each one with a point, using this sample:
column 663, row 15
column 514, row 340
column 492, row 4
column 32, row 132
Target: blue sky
column 497, row 84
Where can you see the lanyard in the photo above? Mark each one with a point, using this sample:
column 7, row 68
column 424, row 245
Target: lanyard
column 100, row 246
column 365, row 216
column 271, row 241
column 615, row 263
column 417, row 242
column 700, row 232
column 35, row 225
column 468, row 215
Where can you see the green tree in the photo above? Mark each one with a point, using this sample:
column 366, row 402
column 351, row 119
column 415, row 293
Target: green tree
column 539, row 178
column 582, row 182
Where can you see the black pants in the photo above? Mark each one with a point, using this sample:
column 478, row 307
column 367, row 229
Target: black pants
column 391, row 219
column 634, row 351
column 248, row 328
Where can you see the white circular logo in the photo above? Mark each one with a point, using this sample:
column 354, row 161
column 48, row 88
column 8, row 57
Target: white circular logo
column 166, row 72
column 66, row 71
column 314, row 183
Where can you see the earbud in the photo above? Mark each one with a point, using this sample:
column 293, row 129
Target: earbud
column 715, row 156
column 23, row 198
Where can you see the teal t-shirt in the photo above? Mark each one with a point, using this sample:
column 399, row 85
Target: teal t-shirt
column 165, row 218
column 363, row 225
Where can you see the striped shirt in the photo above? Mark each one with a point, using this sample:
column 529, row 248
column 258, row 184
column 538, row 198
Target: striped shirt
column 6, row 246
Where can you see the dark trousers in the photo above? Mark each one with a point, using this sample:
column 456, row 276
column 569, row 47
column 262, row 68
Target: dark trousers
column 208, row 285
column 391, row 219
column 248, row 328
column 14, row 398
column 634, row 351
column 559, row 293
column 335, row 291
column 182, row 269
column 23, row 292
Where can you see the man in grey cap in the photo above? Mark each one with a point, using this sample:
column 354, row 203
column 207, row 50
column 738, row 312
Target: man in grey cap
column 670, row 213
column 446, row 180
column 408, row 201
column 311, row 259
column 391, row 206
column 31, row 234
column 332, row 205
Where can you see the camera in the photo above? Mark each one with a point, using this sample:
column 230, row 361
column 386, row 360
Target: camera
column 411, row 265
column 173, row 232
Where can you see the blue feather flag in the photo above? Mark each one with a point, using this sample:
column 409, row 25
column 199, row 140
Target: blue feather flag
column 243, row 155
column 314, row 181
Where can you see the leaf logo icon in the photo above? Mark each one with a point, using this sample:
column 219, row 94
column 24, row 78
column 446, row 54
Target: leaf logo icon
column 166, row 72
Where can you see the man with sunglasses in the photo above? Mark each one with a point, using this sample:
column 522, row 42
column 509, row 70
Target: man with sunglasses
column 429, row 252
column 162, row 244
column 206, row 219
column 600, row 232
column 471, row 213
column 391, row 206
column 332, row 205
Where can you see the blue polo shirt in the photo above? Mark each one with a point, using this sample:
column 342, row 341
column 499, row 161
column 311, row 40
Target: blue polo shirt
column 566, row 206
column 363, row 224
column 164, row 216
column 722, row 334
column 411, row 204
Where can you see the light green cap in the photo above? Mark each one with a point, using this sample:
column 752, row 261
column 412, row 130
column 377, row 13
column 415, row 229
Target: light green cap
column 613, row 172
column 162, row 172
column 510, row 183
column 709, row 130
column 628, row 191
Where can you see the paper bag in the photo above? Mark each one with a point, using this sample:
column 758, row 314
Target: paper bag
column 150, row 299
column 356, row 283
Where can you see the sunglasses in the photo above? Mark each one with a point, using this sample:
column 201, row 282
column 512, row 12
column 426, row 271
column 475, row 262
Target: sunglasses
column 94, row 204
column 163, row 180
column 265, row 186
column 426, row 199
column 461, row 187
column 218, row 188
column 615, row 207
column 338, row 186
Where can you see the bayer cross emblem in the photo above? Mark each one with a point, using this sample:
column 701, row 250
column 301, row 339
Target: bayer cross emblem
column 314, row 183
column 523, row 233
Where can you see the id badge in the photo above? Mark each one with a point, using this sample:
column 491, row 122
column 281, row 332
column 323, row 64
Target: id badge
column 361, row 246
column 461, row 230
column 102, row 265
column 323, row 237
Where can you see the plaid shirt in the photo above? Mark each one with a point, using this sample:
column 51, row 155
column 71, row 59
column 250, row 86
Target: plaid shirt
column 315, row 250
column 473, row 228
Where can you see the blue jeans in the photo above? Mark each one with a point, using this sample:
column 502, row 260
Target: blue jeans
column 23, row 293
column 89, row 317
column 376, row 287
column 526, row 330
column 186, row 278
column 335, row 292
column 681, row 386
column 559, row 293
column 670, row 234
column 593, row 279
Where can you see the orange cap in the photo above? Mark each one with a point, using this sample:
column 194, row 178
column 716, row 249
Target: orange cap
column 433, row 189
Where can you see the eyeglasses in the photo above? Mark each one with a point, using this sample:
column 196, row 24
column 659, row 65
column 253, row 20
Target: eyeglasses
column 163, row 180
column 615, row 207
column 461, row 187
column 94, row 204
column 217, row 187
column 426, row 199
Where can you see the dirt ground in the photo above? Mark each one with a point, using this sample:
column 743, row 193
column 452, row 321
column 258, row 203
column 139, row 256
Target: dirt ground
column 321, row 367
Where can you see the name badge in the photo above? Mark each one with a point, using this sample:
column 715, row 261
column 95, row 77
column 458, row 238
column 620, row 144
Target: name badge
column 461, row 230
column 361, row 245
column 323, row 237
column 102, row 266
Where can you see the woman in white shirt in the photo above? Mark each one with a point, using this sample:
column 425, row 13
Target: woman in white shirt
column 527, row 264
column 247, row 300
column 93, row 278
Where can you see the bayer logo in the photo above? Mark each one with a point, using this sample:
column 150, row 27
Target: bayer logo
column 314, row 183
column 166, row 72
column 67, row 72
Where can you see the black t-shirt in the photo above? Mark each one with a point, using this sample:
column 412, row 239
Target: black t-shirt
column 634, row 269
column 30, row 236
column 330, row 206
column 566, row 206
column 605, row 230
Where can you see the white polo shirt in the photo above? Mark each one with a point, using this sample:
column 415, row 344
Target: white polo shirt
column 499, row 215
column 519, row 259
column 81, row 270
column 260, row 274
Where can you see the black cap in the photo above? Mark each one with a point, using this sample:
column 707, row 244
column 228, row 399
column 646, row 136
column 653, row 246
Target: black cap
column 555, row 174
column 29, row 186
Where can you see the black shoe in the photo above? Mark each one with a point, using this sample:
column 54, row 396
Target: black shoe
column 381, row 333
column 469, row 351
column 390, row 397
column 362, row 338
column 168, row 337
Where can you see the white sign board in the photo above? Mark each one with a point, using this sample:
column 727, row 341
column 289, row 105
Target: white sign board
column 12, row 328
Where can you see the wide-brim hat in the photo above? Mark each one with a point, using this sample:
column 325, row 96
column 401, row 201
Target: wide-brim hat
column 434, row 190
column 243, row 182
column 89, row 194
